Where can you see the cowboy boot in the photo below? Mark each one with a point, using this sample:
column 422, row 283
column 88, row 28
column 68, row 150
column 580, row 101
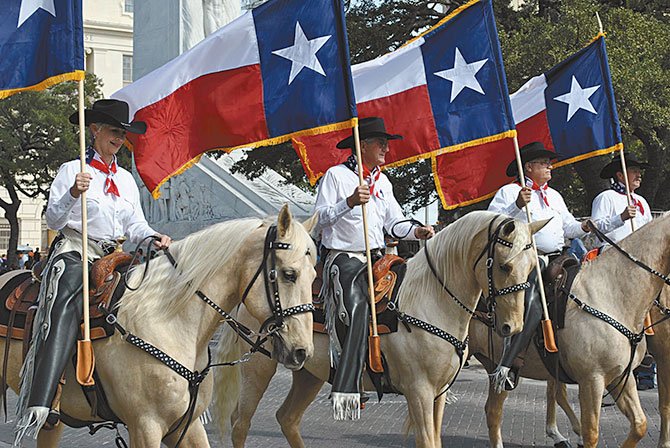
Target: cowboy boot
column 346, row 393
column 53, row 419
column 506, row 375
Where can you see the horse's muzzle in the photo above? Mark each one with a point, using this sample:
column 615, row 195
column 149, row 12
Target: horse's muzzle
column 291, row 359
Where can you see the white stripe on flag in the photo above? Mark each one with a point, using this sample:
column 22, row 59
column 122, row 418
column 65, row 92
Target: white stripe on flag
column 390, row 74
column 529, row 99
column 231, row 47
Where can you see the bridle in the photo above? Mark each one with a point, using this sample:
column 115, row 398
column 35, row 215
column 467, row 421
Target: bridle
column 273, row 324
column 268, row 267
column 493, row 239
column 461, row 346
column 489, row 250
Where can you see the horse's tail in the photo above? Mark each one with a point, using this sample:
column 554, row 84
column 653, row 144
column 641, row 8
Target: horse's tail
column 227, row 380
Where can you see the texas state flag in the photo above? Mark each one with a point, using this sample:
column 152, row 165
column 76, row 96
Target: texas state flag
column 570, row 108
column 41, row 44
column 275, row 72
column 443, row 91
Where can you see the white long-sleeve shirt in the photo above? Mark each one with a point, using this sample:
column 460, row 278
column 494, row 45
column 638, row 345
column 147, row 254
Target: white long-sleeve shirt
column 109, row 216
column 552, row 237
column 342, row 227
column 609, row 202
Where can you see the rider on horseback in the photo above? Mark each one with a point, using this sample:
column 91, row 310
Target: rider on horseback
column 113, row 210
column 345, row 285
column 544, row 202
column 614, row 198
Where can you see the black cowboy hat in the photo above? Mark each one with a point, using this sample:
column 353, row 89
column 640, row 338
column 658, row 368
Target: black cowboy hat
column 614, row 166
column 368, row 128
column 114, row 112
column 530, row 152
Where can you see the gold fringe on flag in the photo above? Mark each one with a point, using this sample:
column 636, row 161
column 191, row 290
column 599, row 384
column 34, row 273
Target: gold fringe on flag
column 77, row 75
column 267, row 142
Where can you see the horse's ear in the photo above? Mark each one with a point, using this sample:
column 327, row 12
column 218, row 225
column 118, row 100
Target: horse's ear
column 311, row 223
column 538, row 225
column 284, row 221
column 508, row 228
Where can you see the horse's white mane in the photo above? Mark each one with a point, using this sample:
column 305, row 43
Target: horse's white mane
column 165, row 289
column 450, row 251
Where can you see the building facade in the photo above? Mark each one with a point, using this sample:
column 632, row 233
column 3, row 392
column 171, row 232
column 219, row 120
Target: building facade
column 108, row 44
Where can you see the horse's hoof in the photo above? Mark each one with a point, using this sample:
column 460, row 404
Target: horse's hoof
column 563, row 444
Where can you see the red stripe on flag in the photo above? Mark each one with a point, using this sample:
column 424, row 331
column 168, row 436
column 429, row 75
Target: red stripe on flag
column 409, row 114
column 406, row 113
column 535, row 129
column 219, row 110
column 472, row 174
column 475, row 174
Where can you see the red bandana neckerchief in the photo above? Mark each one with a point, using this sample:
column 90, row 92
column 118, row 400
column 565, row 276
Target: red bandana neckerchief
column 371, row 177
column 542, row 190
column 110, row 171
column 621, row 189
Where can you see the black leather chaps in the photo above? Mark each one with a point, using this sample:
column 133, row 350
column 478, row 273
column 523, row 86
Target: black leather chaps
column 53, row 353
column 532, row 317
column 351, row 323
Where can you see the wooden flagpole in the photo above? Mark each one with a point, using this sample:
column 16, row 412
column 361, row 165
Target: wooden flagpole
column 547, row 328
column 85, row 359
column 647, row 320
column 629, row 197
column 374, row 346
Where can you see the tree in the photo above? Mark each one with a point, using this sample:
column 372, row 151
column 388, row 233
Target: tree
column 638, row 46
column 35, row 139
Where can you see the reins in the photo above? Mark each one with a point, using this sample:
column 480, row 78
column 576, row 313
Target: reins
column 273, row 324
column 633, row 338
column 461, row 346
column 605, row 238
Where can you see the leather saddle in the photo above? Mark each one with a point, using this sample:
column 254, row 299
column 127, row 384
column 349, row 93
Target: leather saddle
column 105, row 278
column 388, row 273
column 558, row 278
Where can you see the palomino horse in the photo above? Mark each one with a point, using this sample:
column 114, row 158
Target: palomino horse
column 659, row 346
column 488, row 352
column 219, row 262
column 421, row 364
column 604, row 320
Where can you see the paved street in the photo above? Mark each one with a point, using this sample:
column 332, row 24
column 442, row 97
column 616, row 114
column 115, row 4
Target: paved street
column 381, row 423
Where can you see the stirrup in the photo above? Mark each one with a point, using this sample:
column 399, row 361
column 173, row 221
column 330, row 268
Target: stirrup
column 365, row 397
column 512, row 379
column 53, row 420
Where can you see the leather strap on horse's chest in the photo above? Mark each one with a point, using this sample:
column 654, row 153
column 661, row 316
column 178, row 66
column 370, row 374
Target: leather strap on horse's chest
column 609, row 241
column 633, row 338
column 459, row 345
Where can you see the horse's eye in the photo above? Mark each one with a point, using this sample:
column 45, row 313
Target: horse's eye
column 506, row 268
column 290, row 275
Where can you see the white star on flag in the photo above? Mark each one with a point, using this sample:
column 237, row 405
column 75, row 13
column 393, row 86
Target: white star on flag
column 578, row 98
column 462, row 75
column 303, row 53
column 29, row 7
